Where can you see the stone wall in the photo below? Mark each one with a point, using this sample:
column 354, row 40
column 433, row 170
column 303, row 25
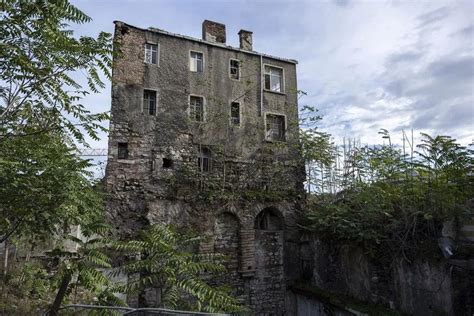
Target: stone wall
column 250, row 176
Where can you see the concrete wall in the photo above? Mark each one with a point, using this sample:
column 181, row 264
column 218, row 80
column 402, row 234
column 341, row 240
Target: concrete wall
column 421, row 287
column 307, row 306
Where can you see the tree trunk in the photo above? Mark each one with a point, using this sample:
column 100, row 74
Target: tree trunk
column 60, row 295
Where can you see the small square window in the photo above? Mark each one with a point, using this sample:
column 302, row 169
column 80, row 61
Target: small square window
column 235, row 113
column 149, row 102
column 234, row 68
column 196, row 61
column 273, row 79
column 196, row 108
column 275, row 127
column 151, row 53
column 167, row 163
column 122, row 150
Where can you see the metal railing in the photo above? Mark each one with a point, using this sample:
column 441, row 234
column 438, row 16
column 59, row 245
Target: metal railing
column 136, row 311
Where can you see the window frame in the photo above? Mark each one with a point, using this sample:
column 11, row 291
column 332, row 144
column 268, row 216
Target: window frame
column 190, row 58
column 127, row 151
column 240, row 114
column 156, row 101
column 200, row 160
column 157, row 53
column 285, row 127
column 239, row 69
column 282, row 81
column 204, row 105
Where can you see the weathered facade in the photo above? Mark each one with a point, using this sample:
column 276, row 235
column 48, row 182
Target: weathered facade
column 204, row 135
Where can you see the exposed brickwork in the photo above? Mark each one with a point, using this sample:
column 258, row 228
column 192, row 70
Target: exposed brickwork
column 213, row 31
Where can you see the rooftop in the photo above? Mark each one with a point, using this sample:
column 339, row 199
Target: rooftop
column 221, row 45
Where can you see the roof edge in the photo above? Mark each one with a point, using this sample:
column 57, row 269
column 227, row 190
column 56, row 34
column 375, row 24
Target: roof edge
column 221, row 45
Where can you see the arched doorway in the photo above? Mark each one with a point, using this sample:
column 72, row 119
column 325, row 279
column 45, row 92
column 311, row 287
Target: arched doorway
column 269, row 220
column 269, row 272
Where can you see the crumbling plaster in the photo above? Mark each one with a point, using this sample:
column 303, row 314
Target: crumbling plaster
column 142, row 192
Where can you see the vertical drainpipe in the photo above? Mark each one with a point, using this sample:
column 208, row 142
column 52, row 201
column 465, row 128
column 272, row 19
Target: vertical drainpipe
column 261, row 85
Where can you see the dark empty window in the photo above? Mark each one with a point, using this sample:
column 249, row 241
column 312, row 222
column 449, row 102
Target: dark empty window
column 204, row 160
column 167, row 163
column 196, row 61
column 149, row 102
column 122, row 150
column 196, row 108
column 275, row 127
column 273, row 79
column 268, row 220
column 151, row 53
column 235, row 113
column 234, row 65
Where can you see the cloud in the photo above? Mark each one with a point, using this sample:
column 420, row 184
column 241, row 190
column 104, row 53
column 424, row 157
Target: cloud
column 433, row 17
column 404, row 57
column 365, row 65
column 466, row 32
column 342, row 3
column 420, row 76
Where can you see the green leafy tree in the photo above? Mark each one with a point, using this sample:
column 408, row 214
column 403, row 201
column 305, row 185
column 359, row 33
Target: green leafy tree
column 167, row 260
column 38, row 57
column 83, row 269
column 317, row 150
column 47, row 188
column 44, row 184
column 396, row 202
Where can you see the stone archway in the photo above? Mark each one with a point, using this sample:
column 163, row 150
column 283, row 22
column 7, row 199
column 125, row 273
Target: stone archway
column 269, row 219
column 269, row 273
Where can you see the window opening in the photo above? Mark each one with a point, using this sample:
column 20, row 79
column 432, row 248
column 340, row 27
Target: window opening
column 268, row 220
column 196, row 62
column 204, row 159
column 196, row 108
column 167, row 163
column 149, row 102
column 275, row 129
column 235, row 113
column 122, row 150
column 273, row 79
column 234, row 69
column 151, row 53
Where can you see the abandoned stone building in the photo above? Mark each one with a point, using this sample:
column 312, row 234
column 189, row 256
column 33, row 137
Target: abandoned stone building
column 204, row 135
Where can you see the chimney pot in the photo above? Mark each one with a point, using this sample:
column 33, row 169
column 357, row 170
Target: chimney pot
column 245, row 38
column 213, row 31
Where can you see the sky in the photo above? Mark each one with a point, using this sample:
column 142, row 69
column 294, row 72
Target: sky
column 366, row 65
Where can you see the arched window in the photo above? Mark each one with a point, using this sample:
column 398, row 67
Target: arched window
column 268, row 219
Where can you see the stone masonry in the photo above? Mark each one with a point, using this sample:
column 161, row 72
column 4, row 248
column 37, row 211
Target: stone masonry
column 204, row 136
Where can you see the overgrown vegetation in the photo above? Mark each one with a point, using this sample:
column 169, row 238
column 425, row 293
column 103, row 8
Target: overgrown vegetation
column 46, row 189
column 389, row 199
column 168, row 261
column 392, row 200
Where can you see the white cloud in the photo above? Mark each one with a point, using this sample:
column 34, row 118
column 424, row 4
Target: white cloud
column 366, row 64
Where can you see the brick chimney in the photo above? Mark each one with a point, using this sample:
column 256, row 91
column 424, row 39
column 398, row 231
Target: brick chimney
column 245, row 38
column 213, row 31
